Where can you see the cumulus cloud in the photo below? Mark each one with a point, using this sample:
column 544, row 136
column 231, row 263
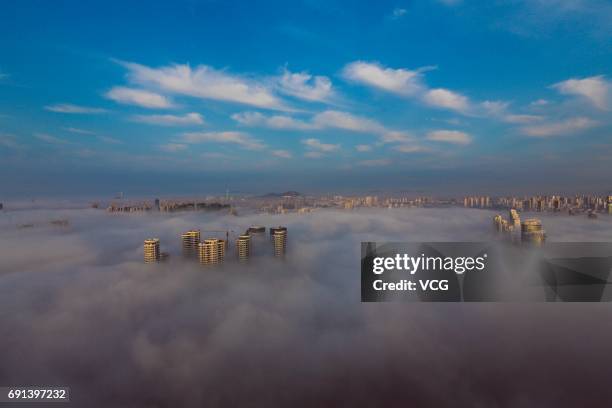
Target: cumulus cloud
column 329, row 119
column 409, row 148
column 562, row 127
column 138, row 97
column 283, row 154
column 398, row 81
column 84, row 311
column 170, row 120
column 70, row 108
column 241, row 139
column 444, row 98
column 173, row 147
column 319, row 148
column 272, row 122
column 407, row 83
column 347, row 121
column 398, row 13
column 302, row 85
column 205, row 82
column 596, row 90
column 499, row 110
column 450, row 136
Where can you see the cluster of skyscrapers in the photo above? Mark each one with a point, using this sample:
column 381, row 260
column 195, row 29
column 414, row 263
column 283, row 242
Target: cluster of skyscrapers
column 529, row 231
column 212, row 251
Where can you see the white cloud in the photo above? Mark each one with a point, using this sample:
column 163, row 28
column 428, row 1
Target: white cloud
column 398, row 13
column 173, row 147
column 375, row 162
column 450, row 136
column 521, row 119
column 170, row 120
column 363, row 148
column 594, row 89
column 315, row 144
column 79, row 131
column 49, row 139
column 242, row 139
column 313, row 155
column 539, row 102
column 409, row 148
column 70, row 108
column 329, row 119
column 273, row 122
column 205, row 82
column 407, row 83
column 305, row 86
column 499, row 110
column 284, row 154
column 444, row 98
column 138, row 97
column 396, row 137
column 347, row 121
column 9, row 141
column 400, row 81
column 564, row 127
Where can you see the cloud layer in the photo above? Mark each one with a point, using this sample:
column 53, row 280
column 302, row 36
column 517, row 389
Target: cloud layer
column 84, row 311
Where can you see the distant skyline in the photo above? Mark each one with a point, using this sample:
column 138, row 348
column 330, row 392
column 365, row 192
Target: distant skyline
column 432, row 96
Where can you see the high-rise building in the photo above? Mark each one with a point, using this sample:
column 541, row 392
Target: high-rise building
column 258, row 244
column 151, row 250
column 243, row 247
column 497, row 221
column 532, row 232
column 190, row 241
column 274, row 229
column 222, row 246
column 280, row 241
column 209, row 251
column 515, row 219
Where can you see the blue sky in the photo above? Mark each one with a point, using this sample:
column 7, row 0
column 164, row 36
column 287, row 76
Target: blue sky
column 190, row 97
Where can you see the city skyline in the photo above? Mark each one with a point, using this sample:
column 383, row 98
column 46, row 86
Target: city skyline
column 197, row 96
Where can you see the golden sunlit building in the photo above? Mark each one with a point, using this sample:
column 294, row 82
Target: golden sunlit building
column 190, row 241
column 243, row 247
column 280, row 241
column 532, row 232
column 515, row 218
column 208, row 251
column 151, row 250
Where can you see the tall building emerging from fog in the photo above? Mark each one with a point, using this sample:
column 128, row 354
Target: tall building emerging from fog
column 221, row 247
column 190, row 241
column 151, row 250
column 515, row 219
column 258, row 242
column 209, row 251
column 532, row 232
column 279, row 238
column 243, row 247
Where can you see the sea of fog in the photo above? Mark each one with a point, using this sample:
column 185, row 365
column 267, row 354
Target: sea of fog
column 79, row 308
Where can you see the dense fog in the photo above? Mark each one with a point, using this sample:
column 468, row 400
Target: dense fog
column 79, row 308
